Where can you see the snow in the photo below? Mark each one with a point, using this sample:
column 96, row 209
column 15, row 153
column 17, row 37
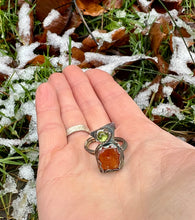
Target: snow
column 24, row 23
column 62, row 42
column 25, row 53
column 26, row 172
column 181, row 57
column 143, row 98
column 110, row 62
column 168, row 110
column 145, row 3
column 25, row 202
column 4, row 64
column 167, row 90
column 33, row 155
column 53, row 15
column 9, row 186
column 121, row 14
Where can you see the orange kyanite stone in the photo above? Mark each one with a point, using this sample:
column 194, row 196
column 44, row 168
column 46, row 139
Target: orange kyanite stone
column 109, row 158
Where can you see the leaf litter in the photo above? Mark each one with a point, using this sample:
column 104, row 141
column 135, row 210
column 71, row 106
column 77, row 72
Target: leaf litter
column 61, row 42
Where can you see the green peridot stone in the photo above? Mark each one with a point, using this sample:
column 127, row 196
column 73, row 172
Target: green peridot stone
column 102, row 136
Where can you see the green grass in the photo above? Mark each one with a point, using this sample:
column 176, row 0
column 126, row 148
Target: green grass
column 131, row 77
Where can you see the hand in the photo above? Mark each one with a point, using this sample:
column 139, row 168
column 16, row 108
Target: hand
column 158, row 177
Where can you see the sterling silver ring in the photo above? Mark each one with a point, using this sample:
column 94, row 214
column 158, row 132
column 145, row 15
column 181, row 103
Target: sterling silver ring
column 109, row 151
column 77, row 128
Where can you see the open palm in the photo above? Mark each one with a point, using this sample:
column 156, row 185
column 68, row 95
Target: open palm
column 158, row 177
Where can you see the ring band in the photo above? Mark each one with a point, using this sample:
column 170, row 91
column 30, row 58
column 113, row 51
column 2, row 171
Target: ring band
column 92, row 140
column 109, row 151
column 76, row 128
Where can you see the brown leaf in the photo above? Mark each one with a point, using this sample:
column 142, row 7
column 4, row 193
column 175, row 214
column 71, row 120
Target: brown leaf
column 90, row 7
column 145, row 5
column 169, row 4
column 78, row 54
column 181, row 32
column 3, row 77
column 89, row 44
column 162, row 65
column 74, row 21
column 91, row 64
column 43, row 7
column 159, row 30
column 39, row 59
column 119, row 38
column 42, row 49
column 111, row 4
column 58, row 24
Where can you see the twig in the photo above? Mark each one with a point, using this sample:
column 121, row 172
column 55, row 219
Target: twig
column 81, row 15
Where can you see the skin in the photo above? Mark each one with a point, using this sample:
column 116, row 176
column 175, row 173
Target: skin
column 157, row 180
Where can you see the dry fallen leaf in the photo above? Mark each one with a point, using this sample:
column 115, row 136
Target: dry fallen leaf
column 110, row 4
column 39, row 59
column 159, row 31
column 58, row 24
column 145, row 5
column 90, row 7
column 169, row 4
column 3, row 77
column 78, row 54
column 43, row 7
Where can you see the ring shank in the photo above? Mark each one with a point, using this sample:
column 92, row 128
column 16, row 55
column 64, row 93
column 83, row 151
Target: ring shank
column 76, row 128
column 91, row 140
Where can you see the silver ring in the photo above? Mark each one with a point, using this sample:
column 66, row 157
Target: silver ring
column 77, row 128
column 109, row 152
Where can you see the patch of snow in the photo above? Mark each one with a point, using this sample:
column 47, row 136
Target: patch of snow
column 25, row 74
column 62, row 42
column 25, row 53
column 4, row 65
column 28, row 108
column 24, row 22
column 145, row 3
column 104, row 37
column 167, row 90
column 121, row 14
column 112, row 61
column 143, row 98
column 9, row 186
column 53, row 15
column 25, row 202
column 26, row 172
column 33, row 155
column 168, row 110
column 180, row 57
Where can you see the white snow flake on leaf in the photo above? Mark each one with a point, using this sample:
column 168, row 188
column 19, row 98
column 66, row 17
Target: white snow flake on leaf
column 143, row 98
column 25, row 202
column 25, row 53
column 53, row 15
column 26, row 172
column 9, row 186
column 181, row 57
column 168, row 110
column 24, row 23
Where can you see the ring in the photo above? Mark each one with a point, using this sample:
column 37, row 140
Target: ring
column 109, row 152
column 76, row 128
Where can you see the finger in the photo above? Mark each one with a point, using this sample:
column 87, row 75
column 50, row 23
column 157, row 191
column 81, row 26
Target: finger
column 116, row 101
column 50, row 128
column 70, row 112
column 86, row 97
column 131, row 123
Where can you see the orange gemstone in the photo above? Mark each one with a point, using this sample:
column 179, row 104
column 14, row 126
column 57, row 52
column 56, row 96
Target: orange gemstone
column 109, row 158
